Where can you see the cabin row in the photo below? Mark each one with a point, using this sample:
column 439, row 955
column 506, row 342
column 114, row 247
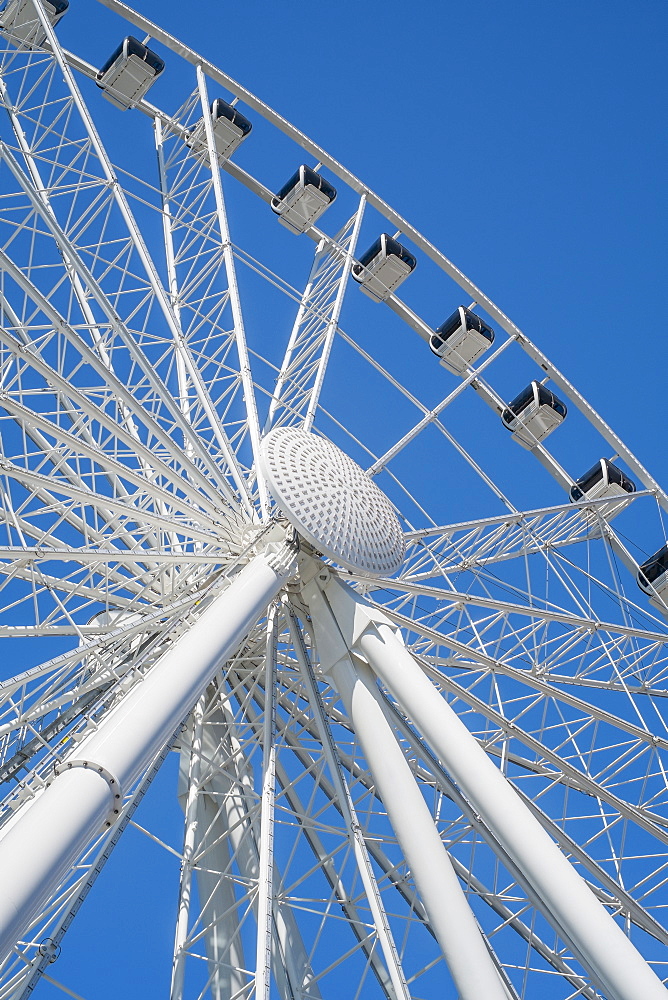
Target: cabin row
column 125, row 79
column 127, row 76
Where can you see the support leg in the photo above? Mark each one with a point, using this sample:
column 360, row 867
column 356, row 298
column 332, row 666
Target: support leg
column 567, row 902
column 450, row 915
column 53, row 828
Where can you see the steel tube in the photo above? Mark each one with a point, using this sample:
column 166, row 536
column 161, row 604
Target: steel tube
column 49, row 832
column 450, row 915
column 596, row 940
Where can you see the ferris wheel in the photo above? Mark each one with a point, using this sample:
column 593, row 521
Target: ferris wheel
column 353, row 731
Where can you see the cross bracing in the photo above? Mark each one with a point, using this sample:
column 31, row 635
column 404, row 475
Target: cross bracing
column 146, row 338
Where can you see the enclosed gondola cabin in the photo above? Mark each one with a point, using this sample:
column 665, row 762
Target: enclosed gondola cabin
column 603, row 482
column 129, row 72
column 461, row 340
column 653, row 579
column 229, row 128
column 383, row 267
column 534, row 414
column 302, row 199
column 20, row 21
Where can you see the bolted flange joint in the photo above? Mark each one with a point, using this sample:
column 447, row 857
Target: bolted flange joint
column 114, row 787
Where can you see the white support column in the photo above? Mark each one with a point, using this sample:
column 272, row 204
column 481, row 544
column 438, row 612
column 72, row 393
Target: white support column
column 48, row 833
column 234, row 823
column 566, row 901
column 450, row 915
column 397, row 978
column 185, row 890
column 266, row 860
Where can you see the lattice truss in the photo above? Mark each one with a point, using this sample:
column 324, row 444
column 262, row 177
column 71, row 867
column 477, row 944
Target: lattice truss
column 221, row 787
column 131, row 494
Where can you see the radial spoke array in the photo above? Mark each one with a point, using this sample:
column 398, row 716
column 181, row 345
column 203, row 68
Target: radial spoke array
column 154, row 317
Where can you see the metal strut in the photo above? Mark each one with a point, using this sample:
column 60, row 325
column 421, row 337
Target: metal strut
column 555, row 887
column 45, row 836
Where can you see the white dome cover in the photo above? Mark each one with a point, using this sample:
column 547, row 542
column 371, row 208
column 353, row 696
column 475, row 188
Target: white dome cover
column 332, row 502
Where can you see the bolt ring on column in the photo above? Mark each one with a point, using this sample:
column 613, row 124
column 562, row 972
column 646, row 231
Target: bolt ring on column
column 91, row 765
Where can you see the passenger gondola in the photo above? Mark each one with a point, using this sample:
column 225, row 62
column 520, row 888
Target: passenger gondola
column 20, row 21
column 302, row 199
column 229, row 127
column 653, row 578
column 383, row 267
column 534, row 414
column 603, row 481
column 129, row 72
column 461, row 340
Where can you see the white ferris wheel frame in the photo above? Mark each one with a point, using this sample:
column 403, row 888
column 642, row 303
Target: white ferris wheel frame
column 355, row 638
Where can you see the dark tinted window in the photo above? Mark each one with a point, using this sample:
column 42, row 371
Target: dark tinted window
column 521, row 402
column 594, row 475
column 392, row 246
column 655, row 566
column 132, row 46
column 474, row 322
column 590, row 478
column 372, row 252
column 111, row 60
column 310, row 177
column 445, row 330
column 221, row 109
column 453, row 323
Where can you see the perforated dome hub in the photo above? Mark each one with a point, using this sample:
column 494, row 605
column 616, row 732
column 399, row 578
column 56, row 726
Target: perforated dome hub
column 332, row 502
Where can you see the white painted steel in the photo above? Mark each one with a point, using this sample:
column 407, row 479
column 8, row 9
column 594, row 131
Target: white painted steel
column 450, row 915
column 47, row 834
column 402, row 225
column 172, row 278
column 148, row 264
column 72, row 468
column 398, row 985
column 20, row 20
column 332, row 502
column 306, row 357
column 334, row 319
column 265, row 886
column 596, row 939
column 191, row 821
column 228, row 814
column 235, row 301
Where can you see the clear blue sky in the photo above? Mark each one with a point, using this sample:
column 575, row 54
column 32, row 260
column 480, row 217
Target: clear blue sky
column 528, row 141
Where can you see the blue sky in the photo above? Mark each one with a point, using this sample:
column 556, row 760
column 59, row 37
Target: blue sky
column 527, row 140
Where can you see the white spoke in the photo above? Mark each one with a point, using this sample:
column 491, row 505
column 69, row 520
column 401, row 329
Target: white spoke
column 418, row 712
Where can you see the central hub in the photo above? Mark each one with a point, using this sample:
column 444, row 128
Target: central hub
column 332, row 502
